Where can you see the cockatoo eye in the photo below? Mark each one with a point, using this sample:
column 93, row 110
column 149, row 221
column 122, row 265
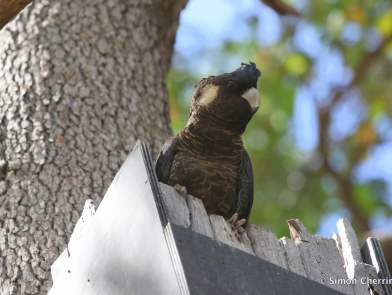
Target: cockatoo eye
column 231, row 85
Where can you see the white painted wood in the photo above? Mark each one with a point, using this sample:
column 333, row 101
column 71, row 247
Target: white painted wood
column 62, row 264
column 293, row 257
column 107, row 259
column 86, row 217
column 351, row 252
column 223, row 233
column 266, row 245
column 200, row 221
column 176, row 205
column 350, row 247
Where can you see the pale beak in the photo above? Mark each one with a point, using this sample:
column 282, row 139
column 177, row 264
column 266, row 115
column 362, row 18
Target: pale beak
column 252, row 95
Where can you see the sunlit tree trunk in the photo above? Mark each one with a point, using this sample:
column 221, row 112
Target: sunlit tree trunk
column 80, row 82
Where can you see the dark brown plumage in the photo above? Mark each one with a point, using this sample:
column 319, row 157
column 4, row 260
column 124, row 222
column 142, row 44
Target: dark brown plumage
column 208, row 156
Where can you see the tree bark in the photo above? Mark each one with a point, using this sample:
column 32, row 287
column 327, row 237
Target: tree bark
column 80, row 82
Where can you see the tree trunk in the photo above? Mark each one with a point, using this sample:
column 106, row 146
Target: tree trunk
column 80, row 81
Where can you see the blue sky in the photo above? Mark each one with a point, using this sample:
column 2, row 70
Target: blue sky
column 206, row 24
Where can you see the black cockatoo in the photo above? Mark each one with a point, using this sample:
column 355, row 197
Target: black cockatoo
column 207, row 158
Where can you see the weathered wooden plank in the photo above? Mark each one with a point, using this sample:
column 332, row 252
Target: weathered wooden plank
column 246, row 244
column 176, row 206
column 332, row 266
column 266, row 245
column 307, row 245
column 320, row 258
column 223, row 233
column 364, row 275
column 293, row 257
column 199, row 219
column 311, row 258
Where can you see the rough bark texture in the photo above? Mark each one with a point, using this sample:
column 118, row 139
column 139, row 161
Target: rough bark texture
column 80, row 81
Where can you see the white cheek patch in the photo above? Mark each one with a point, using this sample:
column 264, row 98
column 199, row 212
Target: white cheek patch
column 253, row 97
column 210, row 92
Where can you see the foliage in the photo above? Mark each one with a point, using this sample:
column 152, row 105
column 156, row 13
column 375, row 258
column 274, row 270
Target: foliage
column 309, row 183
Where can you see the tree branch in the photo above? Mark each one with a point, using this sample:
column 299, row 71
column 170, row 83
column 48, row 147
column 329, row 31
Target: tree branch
column 361, row 70
column 9, row 9
column 281, row 8
column 345, row 185
column 343, row 179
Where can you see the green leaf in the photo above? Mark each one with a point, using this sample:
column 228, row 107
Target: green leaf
column 296, row 64
column 384, row 23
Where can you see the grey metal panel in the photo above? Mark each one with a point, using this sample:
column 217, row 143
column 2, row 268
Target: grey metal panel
column 214, row 268
column 163, row 216
column 149, row 167
column 372, row 254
